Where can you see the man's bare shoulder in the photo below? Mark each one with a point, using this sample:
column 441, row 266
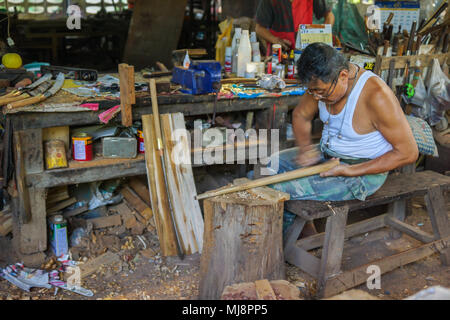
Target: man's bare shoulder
column 379, row 97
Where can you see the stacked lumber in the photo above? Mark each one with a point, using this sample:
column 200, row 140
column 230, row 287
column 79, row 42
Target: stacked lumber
column 261, row 290
column 5, row 222
column 181, row 193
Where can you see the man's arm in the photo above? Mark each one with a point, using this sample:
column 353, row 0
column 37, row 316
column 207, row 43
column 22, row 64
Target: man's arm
column 329, row 18
column 269, row 37
column 388, row 118
column 302, row 116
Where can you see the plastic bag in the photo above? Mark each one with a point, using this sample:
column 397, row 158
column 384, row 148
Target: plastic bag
column 103, row 197
column 437, row 101
column 270, row 82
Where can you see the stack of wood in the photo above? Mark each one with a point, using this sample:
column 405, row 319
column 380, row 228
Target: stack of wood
column 262, row 290
column 58, row 199
column 178, row 206
column 5, row 222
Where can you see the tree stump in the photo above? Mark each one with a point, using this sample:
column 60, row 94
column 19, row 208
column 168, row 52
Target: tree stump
column 243, row 239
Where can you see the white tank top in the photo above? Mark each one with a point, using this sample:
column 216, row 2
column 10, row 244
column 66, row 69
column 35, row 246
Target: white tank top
column 368, row 146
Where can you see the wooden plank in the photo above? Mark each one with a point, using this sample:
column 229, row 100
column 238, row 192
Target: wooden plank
column 400, row 62
column 61, row 205
column 57, row 194
column 5, row 224
column 316, row 241
column 397, row 210
column 396, row 187
column 32, row 236
column 302, row 259
column 293, row 232
column 140, row 188
column 145, row 48
column 264, row 290
column 409, row 230
column 105, row 222
column 190, row 106
column 437, row 210
column 33, row 153
column 90, row 267
column 158, row 195
column 24, row 207
column 359, row 275
column 76, row 211
column 137, row 203
column 333, row 247
column 58, row 133
column 186, row 209
column 127, row 94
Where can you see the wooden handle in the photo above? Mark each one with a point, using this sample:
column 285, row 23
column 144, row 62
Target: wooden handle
column 25, row 102
column 401, row 47
column 286, row 176
column 4, row 101
column 155, row 110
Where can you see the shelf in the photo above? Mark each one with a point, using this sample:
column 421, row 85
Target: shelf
column 104, row 169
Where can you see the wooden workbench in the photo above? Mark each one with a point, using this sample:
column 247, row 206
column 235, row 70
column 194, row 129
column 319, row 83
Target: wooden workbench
column 32, row 180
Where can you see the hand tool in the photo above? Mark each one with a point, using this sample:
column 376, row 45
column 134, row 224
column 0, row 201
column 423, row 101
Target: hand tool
column 50, row 92
column 26, row 93
column 71, row 73
column 160, row 147
column 411, row 38
column 286, row 176
column 19, row 91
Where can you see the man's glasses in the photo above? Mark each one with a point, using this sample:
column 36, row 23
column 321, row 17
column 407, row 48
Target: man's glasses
column 330, row 90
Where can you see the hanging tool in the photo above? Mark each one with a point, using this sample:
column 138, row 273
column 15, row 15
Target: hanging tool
column 31, row 86
column 26, row 93
column 41, row 97
column 160, row 146
column 411, row 38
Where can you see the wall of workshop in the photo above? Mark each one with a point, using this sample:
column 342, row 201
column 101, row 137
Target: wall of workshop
column 239, row 8
column 154, row 31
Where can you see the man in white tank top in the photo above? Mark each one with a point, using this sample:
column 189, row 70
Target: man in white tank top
column 362, row 117
column 364, row 126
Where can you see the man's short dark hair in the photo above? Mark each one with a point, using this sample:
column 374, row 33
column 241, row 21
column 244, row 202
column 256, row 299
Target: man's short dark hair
column 320, row 61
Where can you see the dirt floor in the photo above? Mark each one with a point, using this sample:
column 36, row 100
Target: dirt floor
column 143, row 275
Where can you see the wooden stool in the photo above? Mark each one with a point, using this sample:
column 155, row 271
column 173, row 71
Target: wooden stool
column 243, row 239
column 396, row 190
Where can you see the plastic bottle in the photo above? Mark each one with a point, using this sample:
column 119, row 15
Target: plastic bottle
column 253, row 37
column 291, row 66
column 186, row 61
column 234, row 48
column 256, row 55
column 228, row 59
column 244, row 54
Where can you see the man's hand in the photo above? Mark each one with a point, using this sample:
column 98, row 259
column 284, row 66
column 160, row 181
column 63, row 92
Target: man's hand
column 286, row 44
column 308, row 156
column 341, row 169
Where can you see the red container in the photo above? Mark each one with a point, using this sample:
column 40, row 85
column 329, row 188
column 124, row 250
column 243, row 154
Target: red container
column 82, row 147
column 141, row 148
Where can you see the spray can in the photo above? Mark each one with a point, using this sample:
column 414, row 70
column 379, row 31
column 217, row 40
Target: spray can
column 58, row 235
column 141, row 147
column 228, row 59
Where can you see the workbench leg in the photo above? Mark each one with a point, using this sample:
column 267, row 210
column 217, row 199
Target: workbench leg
column 293, row 232
column 333, row 247
column 437, row 210
column 397, row 210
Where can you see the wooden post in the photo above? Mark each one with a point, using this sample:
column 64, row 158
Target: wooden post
column 242, row 239
column 127, row 95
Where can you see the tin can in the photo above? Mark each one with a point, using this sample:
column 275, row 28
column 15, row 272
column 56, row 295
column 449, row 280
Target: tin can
column 82, row 147
column 55, row 154
column 141, row 141
column 58, row 235
column 276, row 53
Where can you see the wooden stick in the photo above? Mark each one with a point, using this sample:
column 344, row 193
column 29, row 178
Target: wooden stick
column 286, row 176
column 127, row 94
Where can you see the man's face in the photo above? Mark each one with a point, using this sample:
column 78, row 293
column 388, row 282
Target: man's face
column 329, row 92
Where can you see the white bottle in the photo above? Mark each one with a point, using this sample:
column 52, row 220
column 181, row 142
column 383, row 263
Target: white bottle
column 234, row 48
column 234, row 62
column 237, row 35
column 244, row 54
column 186, row 61
column 256, row 55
